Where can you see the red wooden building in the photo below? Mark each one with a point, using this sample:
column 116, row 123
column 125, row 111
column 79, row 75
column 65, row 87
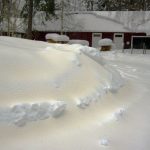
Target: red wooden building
column 90, row 27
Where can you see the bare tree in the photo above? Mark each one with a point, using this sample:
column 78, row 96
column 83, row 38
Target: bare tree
column 6, row 13
column 9, row 14
column 32, row 8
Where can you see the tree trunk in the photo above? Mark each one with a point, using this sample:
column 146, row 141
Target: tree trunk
column 62, row 17
column 30, row 13
column 1, row 17
column 8, row 17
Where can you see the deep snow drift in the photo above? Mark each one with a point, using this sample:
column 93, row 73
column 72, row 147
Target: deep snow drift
column 66, row 97
column 49, row 76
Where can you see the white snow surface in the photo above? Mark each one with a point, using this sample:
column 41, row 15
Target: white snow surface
column 37, row 77
column 39, row 71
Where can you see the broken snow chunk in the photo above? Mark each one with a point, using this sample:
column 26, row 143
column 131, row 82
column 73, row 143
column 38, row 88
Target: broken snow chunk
column 21, row 114
column 58, row 109
column 87, row 100
column 44, row 111
column 83, row 103
column 80, row 103
column 20, row 122
column 17, row 112
column 119, row 114
column 25, row 106
column 104, row 142
column 94, row 97
column 98, row 94
column 33, row 114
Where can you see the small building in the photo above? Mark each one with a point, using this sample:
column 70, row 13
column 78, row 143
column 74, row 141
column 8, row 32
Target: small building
column 90, row 27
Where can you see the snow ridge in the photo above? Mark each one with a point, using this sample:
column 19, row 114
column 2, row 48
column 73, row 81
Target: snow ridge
column 21, row 114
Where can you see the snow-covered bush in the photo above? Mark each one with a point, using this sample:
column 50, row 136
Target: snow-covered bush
column 56, row 37
column 105, row 42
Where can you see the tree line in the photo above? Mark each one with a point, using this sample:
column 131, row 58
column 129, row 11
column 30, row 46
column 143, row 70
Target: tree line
column 14, row 12
column 115, row 5
column 11, row 11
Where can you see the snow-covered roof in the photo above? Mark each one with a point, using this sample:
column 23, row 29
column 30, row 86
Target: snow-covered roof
column 85, row 22
column 145, row 27
column 99, row 21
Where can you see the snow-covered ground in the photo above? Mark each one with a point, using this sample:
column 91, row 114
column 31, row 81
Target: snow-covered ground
column 70, row 97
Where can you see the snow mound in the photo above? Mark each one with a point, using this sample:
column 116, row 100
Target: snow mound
column 56, row 37
column 32, row 72
column 105, row 42
column 21, row 114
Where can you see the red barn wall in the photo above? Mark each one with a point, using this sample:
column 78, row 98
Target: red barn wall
column 72, row 35
column 109, row 35
column 81, row 35
column 88, row 36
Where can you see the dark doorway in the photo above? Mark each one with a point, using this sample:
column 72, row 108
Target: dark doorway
column 141, row 42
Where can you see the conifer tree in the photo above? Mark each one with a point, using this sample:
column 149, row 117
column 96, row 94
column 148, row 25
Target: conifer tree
column 32, row 7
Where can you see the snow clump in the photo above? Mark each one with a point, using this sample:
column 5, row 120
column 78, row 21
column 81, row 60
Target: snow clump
column 56, row 37
column 118, row 114
column 21, row 114
column 104, row 142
